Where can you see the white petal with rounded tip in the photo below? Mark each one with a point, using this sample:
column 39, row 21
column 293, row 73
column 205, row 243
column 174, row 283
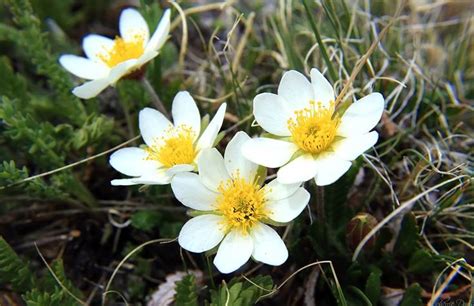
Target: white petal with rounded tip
column 95, row 45
column 158, row 178
column 83, row 67
column 330, row 168
column 185, row 112
column 161, row 33
column 277, row 191
column 362, row 116
column 296, row 89
column 122, row 69
column 268, row 246
column 145, row 58
column 191, row 192
column 210, row 133
column 123, row 182
column 152, row 125
column 301, row 169
column 268, row 152
column 212, row 169
column 234, row 251
column 131, row 24
column 272, row 113
column 132, row 162
column 236, row 162
column 91, row 89
column 323, row 91
column 287, row 209
column 179, row 168
column 352, row 147
column 201, row 233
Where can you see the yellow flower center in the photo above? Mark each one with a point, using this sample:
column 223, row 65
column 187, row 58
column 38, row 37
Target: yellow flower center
column 314, row 128
column 241, row 203
column 176, row 148
column 123, row 50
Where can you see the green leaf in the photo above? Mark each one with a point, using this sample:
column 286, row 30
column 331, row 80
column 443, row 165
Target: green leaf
column 146, row 220
column 241, row 293
column 13, row 270
column 186, row 291
column 373, row 286
column 421, row 262
column 407, row 237
column 412, row 296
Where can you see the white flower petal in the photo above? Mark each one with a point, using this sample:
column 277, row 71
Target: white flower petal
column 287, row 209
column 161, row 33
column 268, row 246
column 210, row 133
column 362, row 116
column 83, row 68
column 152, row 125
column 96, row 45
column 91, row 89
column 330, row 168
column 301, row 169
column 158, row 178
column 179, row 168
column 296, row 89
column 186, row 112
column 145, row 58
column 201, row 233
column 268, row 152
column 132, row 162
column 352, row 147
column 189, row 190
column 236, row 162
column 123, row 182
column 234, row 251
column 212, row 169
column 275, row 190
column 132, row 24
column 272, row 113
column 323, row 91
column 122, row 69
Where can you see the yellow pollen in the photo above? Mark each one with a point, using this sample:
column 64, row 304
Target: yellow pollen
column 123, row 50
column 313, row 129
column 242, row 204
column 176, row 148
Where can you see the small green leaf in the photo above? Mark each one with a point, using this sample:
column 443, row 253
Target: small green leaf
column 407, row 237
column 146, row 220
column 373, row 286
column 412, row 296
column 186, row 291
column 421, row 262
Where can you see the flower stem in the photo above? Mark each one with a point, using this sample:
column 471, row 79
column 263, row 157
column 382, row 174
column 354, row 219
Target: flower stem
column 209, row 270
column 320, row 204
column 154, row 97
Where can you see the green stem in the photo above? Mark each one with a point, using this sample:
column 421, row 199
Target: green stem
column 209, row 270
column 154, row 97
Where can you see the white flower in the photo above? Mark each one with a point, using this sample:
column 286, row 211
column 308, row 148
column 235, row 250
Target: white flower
column 169, row 148
column 109, row 60
column 233, row 209
column 312, row 140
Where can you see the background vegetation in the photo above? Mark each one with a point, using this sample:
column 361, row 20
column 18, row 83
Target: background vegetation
column 65, row 230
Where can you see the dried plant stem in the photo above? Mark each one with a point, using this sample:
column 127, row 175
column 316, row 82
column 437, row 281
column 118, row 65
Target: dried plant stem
column 155, row 99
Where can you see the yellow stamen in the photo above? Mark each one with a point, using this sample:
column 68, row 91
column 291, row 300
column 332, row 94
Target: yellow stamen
column 176, row 148
column 314, row 128
column 241, row 203
column 123, row 50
